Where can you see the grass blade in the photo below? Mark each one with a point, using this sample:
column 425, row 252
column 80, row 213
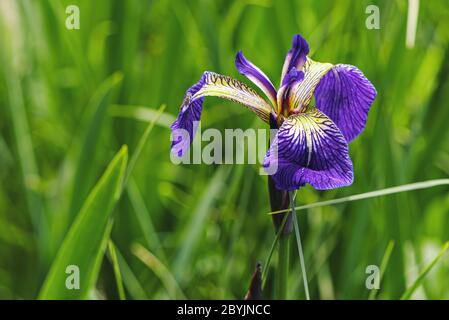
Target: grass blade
column 409, row 292
column 132, row 284
column 142, row 113
column 26, row 159
column 412, row 23
column 117, row 274
column 372, row 194
column 86, row 240
column 144, row 218
column 83, row 174
column 383, row 266
column 299, row 245
column 270, row 253
column 161, row 271
column 141, row 144
column 196, row 225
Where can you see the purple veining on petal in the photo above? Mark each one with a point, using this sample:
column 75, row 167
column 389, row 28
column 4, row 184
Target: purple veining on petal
column 345, row 95
column 252, row 72
column 309, row 148
column 296, row 56
column 189, row 113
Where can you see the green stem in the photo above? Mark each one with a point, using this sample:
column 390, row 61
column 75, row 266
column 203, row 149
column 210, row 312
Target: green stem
column 298, row 242
column 273, row 246
column 282, row 272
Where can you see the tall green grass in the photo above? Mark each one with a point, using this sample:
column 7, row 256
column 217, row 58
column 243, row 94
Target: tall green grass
column 70, row 98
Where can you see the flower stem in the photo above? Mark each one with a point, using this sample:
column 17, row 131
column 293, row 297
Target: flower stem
column 282, row 272
column 283, row 228
column 298, row 242
column 273, row 246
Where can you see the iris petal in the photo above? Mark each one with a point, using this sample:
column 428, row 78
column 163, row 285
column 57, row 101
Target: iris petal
column 189, row 112
column 292, row 77
column 309, row 148
column 301, row 93
column 296, row 56
column 345, row 95
column 253, row 73
column 217, row 85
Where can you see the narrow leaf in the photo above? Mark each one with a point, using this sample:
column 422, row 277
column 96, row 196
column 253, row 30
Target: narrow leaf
column 132, row 284
column 97, row 113
column 372, row 194
column 383, row 266
column 84, row 244
column 141, row 144
column 142, row 113
column 161, row 271
column 409, row 292
column 117, row 274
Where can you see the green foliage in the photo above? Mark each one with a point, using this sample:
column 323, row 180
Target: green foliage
column 409, row 292
column 85, row 242
column 70, row 98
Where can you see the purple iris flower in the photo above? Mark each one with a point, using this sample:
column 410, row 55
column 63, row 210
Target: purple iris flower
column 311, row 145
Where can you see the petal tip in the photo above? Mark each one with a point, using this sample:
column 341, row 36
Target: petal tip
column 240, row 62
column 299, row 43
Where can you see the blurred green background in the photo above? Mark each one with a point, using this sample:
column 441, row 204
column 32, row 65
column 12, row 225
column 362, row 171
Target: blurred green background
column 70, row 98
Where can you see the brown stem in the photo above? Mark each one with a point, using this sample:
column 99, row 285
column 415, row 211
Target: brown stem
column 255, row 287
column 279, row 200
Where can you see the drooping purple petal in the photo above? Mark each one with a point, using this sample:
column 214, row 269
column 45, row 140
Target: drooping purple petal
column 309, row 148
column 189, row 113
column 216, row 85
column 257, row 76
column 345, row 95
column 296, row 56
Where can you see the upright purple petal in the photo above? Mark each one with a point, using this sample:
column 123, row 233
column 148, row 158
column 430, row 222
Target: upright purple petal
column 309, row 148
column 345, row 95
column 292, row 77
column 296, row 56
column 253, row 73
